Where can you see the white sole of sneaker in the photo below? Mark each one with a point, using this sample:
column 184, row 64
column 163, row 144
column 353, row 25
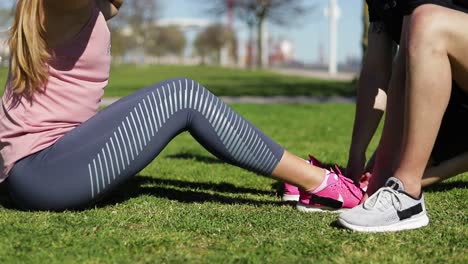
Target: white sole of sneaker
column 305, row 208
column 290, row 197
column 414, row 222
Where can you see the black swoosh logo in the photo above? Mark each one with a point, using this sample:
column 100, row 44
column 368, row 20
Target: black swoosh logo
column 409, row 212
column 326, row 201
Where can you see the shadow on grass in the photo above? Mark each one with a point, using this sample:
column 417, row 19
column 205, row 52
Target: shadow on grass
column 195, row 157
column 169, row 189
column 447, row 186
column 223, row 187
column 337, row 225
column 144, row 185
column 5, row 200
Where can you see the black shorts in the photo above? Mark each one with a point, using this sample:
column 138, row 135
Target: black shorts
column 408, row 6
column 391, row 12
column 452, row 139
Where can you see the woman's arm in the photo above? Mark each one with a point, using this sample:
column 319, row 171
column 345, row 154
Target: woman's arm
column 109, row 8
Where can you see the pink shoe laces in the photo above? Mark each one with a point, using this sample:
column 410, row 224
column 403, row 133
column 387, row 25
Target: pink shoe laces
column 344, row 181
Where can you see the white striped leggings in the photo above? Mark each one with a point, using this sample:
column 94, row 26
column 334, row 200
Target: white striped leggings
column 119, row 141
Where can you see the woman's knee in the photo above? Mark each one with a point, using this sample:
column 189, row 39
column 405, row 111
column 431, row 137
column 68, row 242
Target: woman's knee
column 183, row 93
column 183, row 83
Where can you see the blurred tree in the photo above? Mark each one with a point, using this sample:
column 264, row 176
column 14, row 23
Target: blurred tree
column 210, row 42
column 121, row 42
column 202, row 46
column 233, row 45
column 255, row 12
column 140, row 13
column 5, row 15
column 165, row 41
column 365, row 26
column 134, row 19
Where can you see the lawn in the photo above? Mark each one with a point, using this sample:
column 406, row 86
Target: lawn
column 186, row 206
column 126, row 79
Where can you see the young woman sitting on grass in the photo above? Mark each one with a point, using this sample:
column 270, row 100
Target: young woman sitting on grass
column 58, row 152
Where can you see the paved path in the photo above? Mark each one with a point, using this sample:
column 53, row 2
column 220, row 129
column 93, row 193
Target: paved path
column 319, row 74
column 269, row 99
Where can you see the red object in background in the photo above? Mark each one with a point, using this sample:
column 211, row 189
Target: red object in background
column 230, row 13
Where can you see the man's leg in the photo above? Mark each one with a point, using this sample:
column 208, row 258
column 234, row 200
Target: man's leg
column 435, row 52
column 449, row 156
column 436, row 49
column 446, row 169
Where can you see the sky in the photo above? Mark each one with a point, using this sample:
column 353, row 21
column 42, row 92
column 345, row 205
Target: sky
column 307, row 34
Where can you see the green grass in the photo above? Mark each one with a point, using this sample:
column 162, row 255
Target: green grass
column 126, row 79
column 221, row 81
column 188, row 207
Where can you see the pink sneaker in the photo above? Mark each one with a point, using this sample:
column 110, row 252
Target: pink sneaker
column 334, row 194
column 291, row 193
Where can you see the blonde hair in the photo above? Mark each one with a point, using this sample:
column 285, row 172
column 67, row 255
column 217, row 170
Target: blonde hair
column 28, row 47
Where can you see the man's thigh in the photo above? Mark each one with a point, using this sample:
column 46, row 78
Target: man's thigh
column 449, row 26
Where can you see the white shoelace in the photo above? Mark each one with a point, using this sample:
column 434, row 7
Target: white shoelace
column 383, row 199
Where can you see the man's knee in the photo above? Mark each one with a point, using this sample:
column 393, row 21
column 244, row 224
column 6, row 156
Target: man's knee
column 427, row 30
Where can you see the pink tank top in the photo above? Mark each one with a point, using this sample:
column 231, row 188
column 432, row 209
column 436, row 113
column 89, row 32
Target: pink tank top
column 78, row 73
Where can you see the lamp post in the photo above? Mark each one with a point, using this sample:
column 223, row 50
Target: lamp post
column 333, row 14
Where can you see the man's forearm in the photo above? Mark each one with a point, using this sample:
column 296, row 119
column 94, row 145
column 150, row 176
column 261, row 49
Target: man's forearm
column 373, row 84
column 370, row 106
column 371, row 97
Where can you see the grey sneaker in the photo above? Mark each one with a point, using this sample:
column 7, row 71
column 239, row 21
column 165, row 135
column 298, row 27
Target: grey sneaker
column 389, row 209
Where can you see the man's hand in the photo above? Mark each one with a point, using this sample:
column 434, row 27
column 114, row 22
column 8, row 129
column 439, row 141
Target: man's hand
column 355, row 167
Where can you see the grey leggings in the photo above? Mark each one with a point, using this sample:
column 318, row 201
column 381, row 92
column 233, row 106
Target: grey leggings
column 119, row 141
